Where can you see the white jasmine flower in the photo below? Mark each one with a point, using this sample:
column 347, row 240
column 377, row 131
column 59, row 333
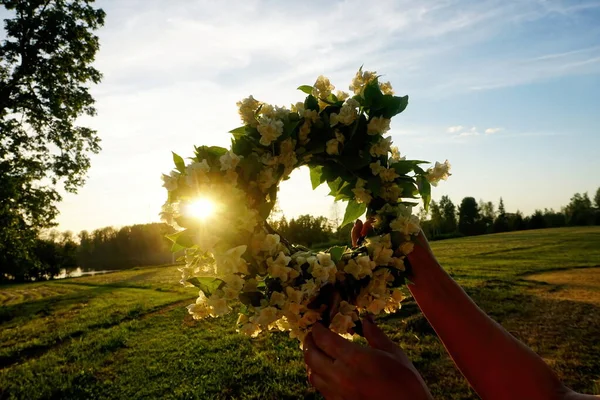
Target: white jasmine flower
column 381, row 148
column 170, row 181
column 267, row 316
column 277, row 299
column 386, row 88
column 229, row 161
column 376, row 168
column 388, row 174
column 196, row 173
column 347, row 114
column 294, row 295
column 438, row 173
column 395, row 156
column 247, row 110
column 391, row 192
column 332, row 147
column 378, row 126
column 341, row 323
column 341, row 95
column 376, row 306
column 361, row 79
column 218, row 306
column 250, row 329
column 406, row 225
column 231, row 262
column 310, row 317
column 270, row 243
column 398, row 263
column 266, row 179
column 278, row 268
column 269, row 129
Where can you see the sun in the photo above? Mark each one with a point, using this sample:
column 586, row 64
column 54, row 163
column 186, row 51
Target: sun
column 201, row 208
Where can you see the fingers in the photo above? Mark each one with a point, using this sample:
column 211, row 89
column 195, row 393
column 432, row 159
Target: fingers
column 356, row 230
column 317, row 361
column 335, row 346
column 379, row 340
column 324, row 387
column 331, row 377
column 376, row 338
column 367, row 227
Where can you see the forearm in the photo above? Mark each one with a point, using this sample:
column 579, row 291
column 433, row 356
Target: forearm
column 496, row 364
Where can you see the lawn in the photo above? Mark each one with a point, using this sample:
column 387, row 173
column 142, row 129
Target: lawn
column 128, row 335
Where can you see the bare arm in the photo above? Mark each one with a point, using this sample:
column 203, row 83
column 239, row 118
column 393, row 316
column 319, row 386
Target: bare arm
column 496, row 364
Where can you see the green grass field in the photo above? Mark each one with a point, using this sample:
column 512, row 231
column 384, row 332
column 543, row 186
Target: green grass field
column 128, row 335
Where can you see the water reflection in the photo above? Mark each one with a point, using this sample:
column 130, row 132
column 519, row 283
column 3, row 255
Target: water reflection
column 77, row 273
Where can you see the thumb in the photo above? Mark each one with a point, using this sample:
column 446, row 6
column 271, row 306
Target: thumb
column 378, row 339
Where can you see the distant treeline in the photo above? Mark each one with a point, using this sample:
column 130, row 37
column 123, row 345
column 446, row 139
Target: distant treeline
column 445, row 219
column 103, row 249
column 139, row 245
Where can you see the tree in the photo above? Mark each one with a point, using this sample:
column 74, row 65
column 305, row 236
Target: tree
column 449, row 224
column 501, row 210
column 537, row 221
column 436, row 218
column 579, row 211
column 487, row 215
column 45, row 72
column 501, row 221
column 468, row 215
column 597, row 198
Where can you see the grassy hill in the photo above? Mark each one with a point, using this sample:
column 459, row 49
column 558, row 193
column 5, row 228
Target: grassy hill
column 127, row 334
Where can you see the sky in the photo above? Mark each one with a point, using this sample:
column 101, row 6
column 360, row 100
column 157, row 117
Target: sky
column 508, row 91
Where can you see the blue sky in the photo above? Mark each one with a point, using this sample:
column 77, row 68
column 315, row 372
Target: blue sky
column 508, row 91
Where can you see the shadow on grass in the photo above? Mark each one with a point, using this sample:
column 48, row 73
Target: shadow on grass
column 36, row 350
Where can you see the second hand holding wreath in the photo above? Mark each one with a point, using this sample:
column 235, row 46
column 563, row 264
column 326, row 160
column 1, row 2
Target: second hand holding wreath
column 235, row 256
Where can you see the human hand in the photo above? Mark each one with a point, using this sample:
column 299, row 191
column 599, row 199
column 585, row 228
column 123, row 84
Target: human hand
column 342, row 370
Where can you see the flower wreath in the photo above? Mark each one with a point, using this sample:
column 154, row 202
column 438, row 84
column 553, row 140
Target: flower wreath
column 236, row 257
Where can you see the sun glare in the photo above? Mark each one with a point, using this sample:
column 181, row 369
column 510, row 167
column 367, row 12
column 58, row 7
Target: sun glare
column 202, row 208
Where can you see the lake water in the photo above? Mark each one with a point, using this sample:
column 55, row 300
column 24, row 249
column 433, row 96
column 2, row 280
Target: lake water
column 78, row 272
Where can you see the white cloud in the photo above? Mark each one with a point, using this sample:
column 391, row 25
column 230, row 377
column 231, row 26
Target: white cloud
column 455, row 129
column 490, row 131
column 471, row 132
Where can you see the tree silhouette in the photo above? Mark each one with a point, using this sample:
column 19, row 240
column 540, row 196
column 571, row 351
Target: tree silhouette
column 45, row 73
column 468, row 215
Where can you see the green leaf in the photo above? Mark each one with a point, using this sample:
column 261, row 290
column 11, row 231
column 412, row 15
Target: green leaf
column 345, row 191
column 335, row 186
column 288, row 129
column 392, row 105
column 373, row 95
column 403, row 167
column 315, row 176
column 374, row 185
column 336, row 253
column 237, row 132
column 306, row 89
column 207, row 284
column 182, row 240
column 311, row 103
column 354, row 210
column 425, row 190
column 242, row 146
column 179, row 163
column 210, row 153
